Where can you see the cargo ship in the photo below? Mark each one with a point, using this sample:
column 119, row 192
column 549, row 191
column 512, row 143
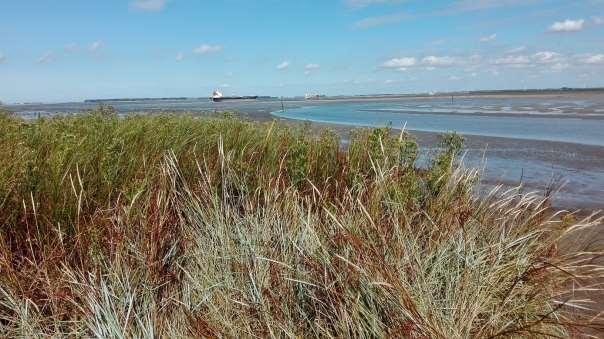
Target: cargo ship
column 217, row 96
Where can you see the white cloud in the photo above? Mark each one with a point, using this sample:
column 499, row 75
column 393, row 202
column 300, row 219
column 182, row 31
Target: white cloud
column 488, row 38
column 2, row 58
column 148, row 5
column 598, row 20
column 454, row 78
column 547, row 57
column 567, row 26
column 592, row 59
column 435, row 61
column 283, row 66
column 179, row 57
column 549, row 61
column 45, row 58
column 390, row 81
column 430, row 62
column 543, row 61
column 95, row 46
column 207, row 49
column 399, row 63
column 374, row 21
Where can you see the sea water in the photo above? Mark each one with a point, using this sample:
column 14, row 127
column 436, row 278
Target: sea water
column 519, row 124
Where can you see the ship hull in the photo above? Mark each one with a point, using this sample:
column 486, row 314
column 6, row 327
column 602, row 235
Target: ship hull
column 234, row 98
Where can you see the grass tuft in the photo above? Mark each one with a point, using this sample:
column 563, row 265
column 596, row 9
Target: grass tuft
column 180, row 226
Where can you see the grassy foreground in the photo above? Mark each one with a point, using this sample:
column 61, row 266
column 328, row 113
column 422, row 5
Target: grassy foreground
column 176, row 226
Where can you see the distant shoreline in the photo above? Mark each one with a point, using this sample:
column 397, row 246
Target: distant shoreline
column 466, row 95
column 457, row 94
column 92, row 101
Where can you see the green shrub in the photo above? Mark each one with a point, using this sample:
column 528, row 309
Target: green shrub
column 450, row 144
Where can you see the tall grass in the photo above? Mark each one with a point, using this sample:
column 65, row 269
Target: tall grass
column 177, row 226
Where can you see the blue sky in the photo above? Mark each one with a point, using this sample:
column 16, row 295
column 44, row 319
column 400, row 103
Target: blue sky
column 72, row 49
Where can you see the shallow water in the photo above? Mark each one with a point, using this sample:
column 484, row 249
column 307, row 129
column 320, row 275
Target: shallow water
column 526, row 124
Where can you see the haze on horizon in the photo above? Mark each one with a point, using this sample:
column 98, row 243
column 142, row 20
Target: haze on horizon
column 72, row 50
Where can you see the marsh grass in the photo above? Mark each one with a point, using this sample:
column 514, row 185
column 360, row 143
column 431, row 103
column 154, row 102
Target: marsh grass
column 177, row 226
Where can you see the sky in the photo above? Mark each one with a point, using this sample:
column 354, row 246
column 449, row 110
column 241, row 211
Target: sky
column 71, row 50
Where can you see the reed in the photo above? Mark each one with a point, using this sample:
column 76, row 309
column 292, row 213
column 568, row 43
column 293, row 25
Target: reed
column 182, row 226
